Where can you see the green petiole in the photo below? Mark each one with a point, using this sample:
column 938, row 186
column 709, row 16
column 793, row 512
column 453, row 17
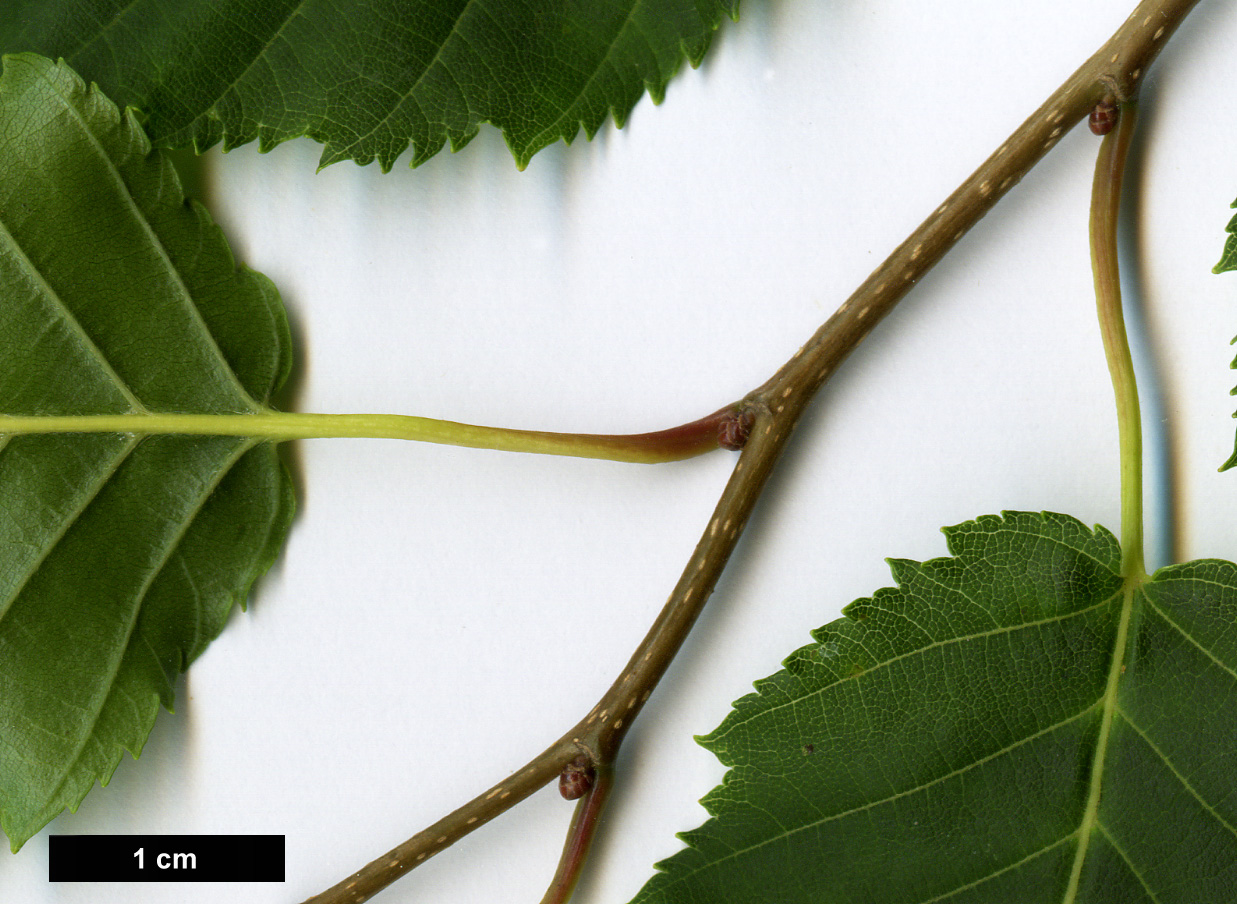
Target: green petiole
column 1105, row 205
column 266, row 425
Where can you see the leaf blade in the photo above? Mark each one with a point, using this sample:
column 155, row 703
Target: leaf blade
column 966, row 772
column 1227, row 262
column 123, row 553
column 367, row 79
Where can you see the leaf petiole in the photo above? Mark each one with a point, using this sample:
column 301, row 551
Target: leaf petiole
column 267, row 425
column 1105, row 209
column 1105, row 206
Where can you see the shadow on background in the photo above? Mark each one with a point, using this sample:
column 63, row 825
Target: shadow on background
column 1164, row 491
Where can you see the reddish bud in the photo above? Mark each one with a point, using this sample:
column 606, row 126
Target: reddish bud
column 577, row 778
column 1103, row 118
column 734, row 429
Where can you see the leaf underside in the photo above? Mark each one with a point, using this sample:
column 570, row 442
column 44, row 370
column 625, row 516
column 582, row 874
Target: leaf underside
column 939, row 742
column 368, row 77
column 1228, row 261
column 120, row 555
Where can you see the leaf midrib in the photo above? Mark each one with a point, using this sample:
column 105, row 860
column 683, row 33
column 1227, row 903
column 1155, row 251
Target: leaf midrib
column 1090, row 814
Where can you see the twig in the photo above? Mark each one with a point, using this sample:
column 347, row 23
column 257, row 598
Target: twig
column 1114, row 71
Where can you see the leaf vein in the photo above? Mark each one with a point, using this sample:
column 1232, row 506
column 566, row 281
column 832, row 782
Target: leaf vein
column 1177, row 774
column 122, row 191
column 86, row 342
column 67, row 523
column 904, row 793
column 451, row 33
column 1005, row 869
column 1186, row 634
column 554, row 127
column 959, row 591
column 1125, row 858
column 918, row 651
column 1005, row 528
column 174, row 544
column 293, row 12
column 104, row 28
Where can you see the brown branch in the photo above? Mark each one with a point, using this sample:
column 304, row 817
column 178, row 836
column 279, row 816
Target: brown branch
column 772, row 410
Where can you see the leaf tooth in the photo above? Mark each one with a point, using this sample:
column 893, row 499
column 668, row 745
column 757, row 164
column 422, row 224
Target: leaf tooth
column 904, row 570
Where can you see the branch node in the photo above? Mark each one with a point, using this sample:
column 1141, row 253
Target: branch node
column 1116, row 94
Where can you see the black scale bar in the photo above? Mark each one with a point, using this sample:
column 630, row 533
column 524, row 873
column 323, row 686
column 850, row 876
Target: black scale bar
column 165, row 858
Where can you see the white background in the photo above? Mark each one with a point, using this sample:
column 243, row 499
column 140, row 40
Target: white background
column 439, row 615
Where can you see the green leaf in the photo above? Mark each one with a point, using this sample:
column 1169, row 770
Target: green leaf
column 1013, row 724
column 1228, row 261
column 120, row 554
column 366, row 77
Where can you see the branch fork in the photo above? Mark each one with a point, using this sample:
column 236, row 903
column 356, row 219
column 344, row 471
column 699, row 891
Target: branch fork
column 760, row 426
